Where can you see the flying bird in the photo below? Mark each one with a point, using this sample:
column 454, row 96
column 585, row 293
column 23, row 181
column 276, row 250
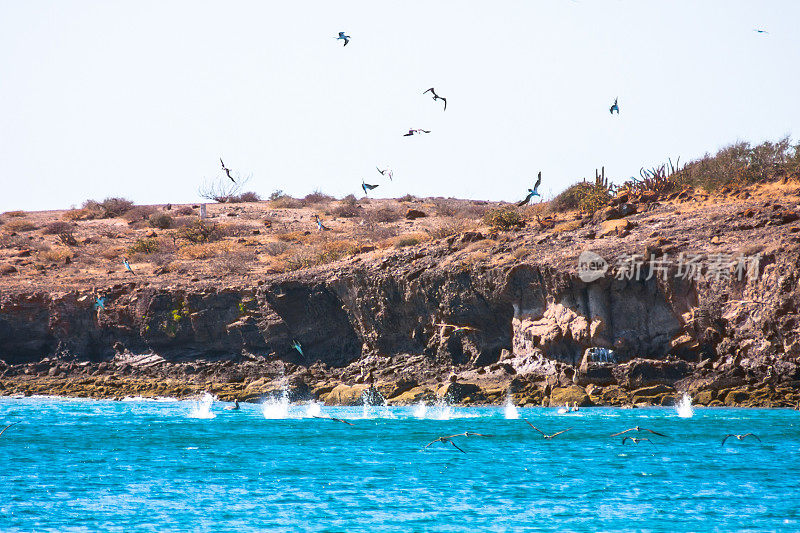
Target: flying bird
column 532, row 192
column 760, row 31
column 367, row 186
column 545, row 435
column 320, row 225
column 413, row 131
column 437, row 97
column 334, row 419
column 386, row 172
column 8, row 426
column 296, row 346
column 227, row 170
column 739, row 437
column 614, row 107
column 449, row 438
column 638, row 428
column 100, row 303
column 635, row 440
column 127, row 265
column 343, row 36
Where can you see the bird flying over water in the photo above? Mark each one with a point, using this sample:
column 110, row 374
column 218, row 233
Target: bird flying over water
column 334, row 419
column 343, row 36
column 614, row 107
column 8, row 426
column 227, row 170
column 638, row 428
column 636, row 440
column 367, row 187
column 532, row 192
column 296, row 346
column 437, row 97
column 413, row 131
column 739, row 437
column 386, row 172
column 449, row 438
column 545, row 435
column 127, row 265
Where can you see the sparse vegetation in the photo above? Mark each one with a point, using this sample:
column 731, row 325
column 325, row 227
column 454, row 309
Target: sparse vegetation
column 407, row 241
column 144, row 246
column 317, row 197
column 18, row 225
column 108, row 208
column 160, row 221
column 56, row 228
column 382, row 215
column 348, row 207
column 14, row 214
column 199, row 232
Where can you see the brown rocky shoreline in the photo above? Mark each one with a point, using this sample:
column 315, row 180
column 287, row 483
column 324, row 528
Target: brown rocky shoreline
column 474, row 318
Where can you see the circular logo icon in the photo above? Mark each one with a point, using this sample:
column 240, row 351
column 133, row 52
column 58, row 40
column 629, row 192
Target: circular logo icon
column 591, row 266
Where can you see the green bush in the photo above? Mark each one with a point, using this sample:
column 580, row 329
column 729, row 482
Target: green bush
column 144, row 246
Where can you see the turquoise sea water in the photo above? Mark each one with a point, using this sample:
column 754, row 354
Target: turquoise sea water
column 181, row 466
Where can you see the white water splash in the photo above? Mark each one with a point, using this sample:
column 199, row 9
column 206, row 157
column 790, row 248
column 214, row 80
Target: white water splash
column 420, row 410
column 313, row 409
column 442, row 410
column 684, row 407
column 276, row 408
column 202, row 408
column 510, row 410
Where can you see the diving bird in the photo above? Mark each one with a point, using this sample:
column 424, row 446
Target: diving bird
column 545, row 435
column 320, row 225
column 532, row 192
column 449, row 438
column 334, row 419
column 8, row 426
column 739, row 437
column 413, row 131
column 296, row 346
column 437, row 97
column 614, row 107
column 343, row 36
column 386, row 172
column 127, row 265
column 366, row 186
column 635, row 440
column 637, row 428
column 227, row 170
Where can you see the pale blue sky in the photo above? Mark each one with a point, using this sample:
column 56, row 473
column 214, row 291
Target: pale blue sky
column 140, row 99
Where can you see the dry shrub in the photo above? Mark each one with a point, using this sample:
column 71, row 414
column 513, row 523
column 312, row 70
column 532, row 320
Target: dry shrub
column 585, row 196
column 205, row 250
column 184, row 210
column 291, row 236
column 139, row 213
column 110, row 253
column 14, row 241
column 286, row 202
column 275, row 248
column 234, row 263
column 78, row 214
column 58, row 254
column 318, row 255
column 57, row 228
column 445, row 207
column 317, row 197
column 144, row 246
column 504, row 218
column 408, row 198
column 200, row 232
column 248, row 196
column 384, row 214
column 347, row 208
column 235, row 230
column 160, row 221
column 372, row 232
column 446, row 228
column 14, row 214
column 410, row 239
column 475, row 210
column 108, row 208
column 16, row 226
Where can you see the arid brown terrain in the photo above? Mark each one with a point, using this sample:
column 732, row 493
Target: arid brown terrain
column 409, row 300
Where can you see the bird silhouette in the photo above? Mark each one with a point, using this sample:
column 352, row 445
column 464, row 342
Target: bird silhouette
column 227, row 170
column 614, row 107
column 334, row 419
column 8, row 426
column 413, row 131
column 296, row 346
column 760, row 31
column 449, row 439
column 637, row 428
column 386, row 172
column 343, row 36
column 127, row 265
column 532, row 192
column 636, row 440
column 739, row 437
column 545, row 435
column 367, row 187
column 437, row 97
